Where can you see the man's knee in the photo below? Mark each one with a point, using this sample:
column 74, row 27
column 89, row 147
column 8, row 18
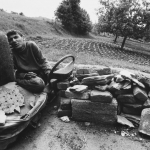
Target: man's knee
column 38, row 84
column 33, row 85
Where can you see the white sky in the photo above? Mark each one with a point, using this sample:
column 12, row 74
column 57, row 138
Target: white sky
column 46, row 8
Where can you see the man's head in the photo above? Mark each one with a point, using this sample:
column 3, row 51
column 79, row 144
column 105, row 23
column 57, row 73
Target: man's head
column 15, row 39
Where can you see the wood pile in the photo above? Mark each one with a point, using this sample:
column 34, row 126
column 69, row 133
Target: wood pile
column 108, row 97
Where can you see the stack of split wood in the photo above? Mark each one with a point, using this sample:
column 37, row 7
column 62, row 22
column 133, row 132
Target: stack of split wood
column 106, row 97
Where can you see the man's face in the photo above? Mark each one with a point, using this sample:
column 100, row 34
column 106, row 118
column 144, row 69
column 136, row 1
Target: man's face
column 16, row 41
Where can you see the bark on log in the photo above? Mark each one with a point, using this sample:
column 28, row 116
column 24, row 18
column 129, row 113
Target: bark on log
column 105, row 113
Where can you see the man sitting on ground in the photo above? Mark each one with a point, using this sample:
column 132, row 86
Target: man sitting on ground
column 32, row 68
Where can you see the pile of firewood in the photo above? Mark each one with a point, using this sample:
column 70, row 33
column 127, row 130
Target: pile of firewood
column 105, row 97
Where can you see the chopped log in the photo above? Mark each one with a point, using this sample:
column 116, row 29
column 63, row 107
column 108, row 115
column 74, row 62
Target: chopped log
column 61, row 93
column 104, row 71
column 105, row 113
column 113, row 86
column 122, row 120
column 62, row 113
column 97, row 80
column 147, row 104
column 122, row 92
column 81, row 76
column 102, row 97
column 140, row 94
column 133, row 109
column 118, row 78
column 127, row 85
column 82, row 71
column 149, row 94
column 85, row 95
column 133, row 118
column 101, row 87
column 145, row 122
column 65, row 103
column 79, row 88
column 63, row 85
column 128, row 75
column 126, row 98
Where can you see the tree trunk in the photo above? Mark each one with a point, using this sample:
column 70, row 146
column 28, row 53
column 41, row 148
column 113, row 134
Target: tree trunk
column 123, row 42
column 115, row 40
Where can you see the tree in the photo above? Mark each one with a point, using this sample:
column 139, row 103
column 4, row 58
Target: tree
column 73, row 17
column 123, row 17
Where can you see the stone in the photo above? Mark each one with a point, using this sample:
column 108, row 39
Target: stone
column 102, row 97
column 126, row 98
column 145, row 122
column 63, row 85
column 65, row 103
column 140, row 94
column 87, row 111
column 84, row 96
column 62, row 113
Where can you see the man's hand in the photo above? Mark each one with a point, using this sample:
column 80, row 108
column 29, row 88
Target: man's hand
column 30, row 75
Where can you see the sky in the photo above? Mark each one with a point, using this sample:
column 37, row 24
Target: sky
column 46, row 8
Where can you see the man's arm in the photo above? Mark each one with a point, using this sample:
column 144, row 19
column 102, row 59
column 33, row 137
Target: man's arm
column 44, row 64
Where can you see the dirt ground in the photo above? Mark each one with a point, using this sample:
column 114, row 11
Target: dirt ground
column 54, row 134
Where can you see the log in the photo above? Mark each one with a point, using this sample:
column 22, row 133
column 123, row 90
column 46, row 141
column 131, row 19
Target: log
column 97, row 80
column 126, row 98
column 70, row 94
column 63, row 85
column 133, row 109
column 65, row 103
column 140, row 94
column 105, row 113
column 62, row 113
column 101, row 97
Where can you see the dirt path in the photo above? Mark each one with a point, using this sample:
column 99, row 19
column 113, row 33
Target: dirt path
column 53, row 134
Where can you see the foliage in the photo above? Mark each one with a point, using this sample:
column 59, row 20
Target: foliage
column 73, row 17
column 122, row 17
column 21, row 13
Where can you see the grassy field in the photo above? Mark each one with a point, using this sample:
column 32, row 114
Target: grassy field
column 55, row 42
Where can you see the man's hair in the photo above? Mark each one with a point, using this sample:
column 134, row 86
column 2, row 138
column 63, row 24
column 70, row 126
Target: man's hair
column 13, row 32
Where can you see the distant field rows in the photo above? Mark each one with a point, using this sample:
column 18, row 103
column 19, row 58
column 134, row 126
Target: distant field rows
column 105, row 50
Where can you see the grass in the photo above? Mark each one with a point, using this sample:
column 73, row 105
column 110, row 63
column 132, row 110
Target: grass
column 47, row 29
column 90, row 59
